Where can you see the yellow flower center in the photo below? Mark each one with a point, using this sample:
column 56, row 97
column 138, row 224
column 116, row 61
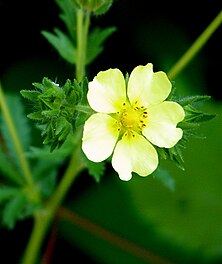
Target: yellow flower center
column 132, row 119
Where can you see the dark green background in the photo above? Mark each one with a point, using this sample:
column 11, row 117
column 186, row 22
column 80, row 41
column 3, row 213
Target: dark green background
column 183, row 225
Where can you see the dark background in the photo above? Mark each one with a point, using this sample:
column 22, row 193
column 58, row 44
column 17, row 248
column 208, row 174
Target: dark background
column 139, row 24
column 26, row 56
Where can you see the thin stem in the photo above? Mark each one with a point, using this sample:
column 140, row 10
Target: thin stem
column 82, row 35
column 196, row 47
column 79, row 63
column 41, row 222
column 75, row 166
column 42, row 218
column 18, row 147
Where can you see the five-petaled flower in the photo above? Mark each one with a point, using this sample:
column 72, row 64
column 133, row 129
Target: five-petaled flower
column 130, row 118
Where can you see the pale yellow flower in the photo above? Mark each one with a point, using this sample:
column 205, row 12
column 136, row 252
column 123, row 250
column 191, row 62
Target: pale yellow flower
column 130, row 119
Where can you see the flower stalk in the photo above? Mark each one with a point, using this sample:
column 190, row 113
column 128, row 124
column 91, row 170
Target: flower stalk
column 83, row 21
column 196, row 47
column 43, row 218
column 18, row 147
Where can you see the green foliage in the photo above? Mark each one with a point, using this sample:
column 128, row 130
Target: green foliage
column 55, row 109
column 10, row 164
column 68, row 16
column 16, row 199
column 102, row 9
column 95, row 169
column 66, row 44
column 63, row 44
column 95, row 42
column 98, row 7
column 15, row 205
column 193, row 117
column 7, row 169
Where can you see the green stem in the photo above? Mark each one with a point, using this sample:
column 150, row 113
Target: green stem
column 41, row 222
column 82, row 35
column 75, row 166
column 196, row 47
column 43, row 218
column 18, row 147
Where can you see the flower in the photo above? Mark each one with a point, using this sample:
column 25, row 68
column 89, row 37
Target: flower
column 131, row 118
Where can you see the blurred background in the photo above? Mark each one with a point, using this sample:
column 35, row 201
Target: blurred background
column 143, row 220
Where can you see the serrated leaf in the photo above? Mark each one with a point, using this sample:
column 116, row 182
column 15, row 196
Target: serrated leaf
column 12, row 210
column 68, row 16
column 7, row 192
column 104, row 8
column 95, row 42
column 31, row 95
column 95, row 169
column 193, row 99
column 21, row 124
column 7, row 169
column 187, row 125
column 195, row 115
column 40, row 86
column 35, row 115
column 60, row 125
column 50, row 113
column 65, row 132
column 175, row 155
column 82, row 116
column 62, row 43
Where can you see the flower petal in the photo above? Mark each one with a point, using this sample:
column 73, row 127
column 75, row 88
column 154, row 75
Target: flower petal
column 134, row 154
column 147, row 87
column 107, row 91
column 99, row 137
column 161, row 127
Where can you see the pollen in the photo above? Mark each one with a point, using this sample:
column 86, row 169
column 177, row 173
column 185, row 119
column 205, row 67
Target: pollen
column 132, row 118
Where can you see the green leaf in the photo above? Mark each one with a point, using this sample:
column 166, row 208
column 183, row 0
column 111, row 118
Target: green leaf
column 45, row 174
column 68, row 16
column 83, row 104
column 193, row 99
column 195, row 115
column 95, row 42
column 63, row 44
column 30, row 95
column 104, row 8
column 35, row 115
column 95, row 169
column 57, row 156
column 7, row 169
column 21, row 124
column 7, row 192
column 12, row 210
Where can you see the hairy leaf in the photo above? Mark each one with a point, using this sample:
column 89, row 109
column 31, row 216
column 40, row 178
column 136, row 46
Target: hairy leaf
column 12, row 209
column 63, row 44
column 68, row 16
column 8, row 171
column 21, row 125
column 95, row 42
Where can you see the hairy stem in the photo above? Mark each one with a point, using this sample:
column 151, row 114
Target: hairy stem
column 196, row 47
column 43, row 217
column 83, row 21
column 18, row 147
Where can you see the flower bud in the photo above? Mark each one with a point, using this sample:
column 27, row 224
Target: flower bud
column 97, row 6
